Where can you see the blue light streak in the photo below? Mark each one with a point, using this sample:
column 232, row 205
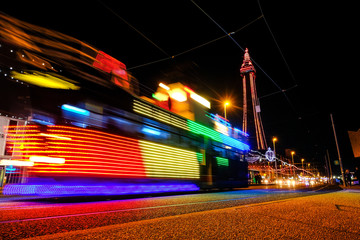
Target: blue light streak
column 95, row 190
column 74, row 109
column 151, row 131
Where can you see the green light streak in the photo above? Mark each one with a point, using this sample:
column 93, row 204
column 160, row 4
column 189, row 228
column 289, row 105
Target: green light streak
column 202, row 130
column 222, row 161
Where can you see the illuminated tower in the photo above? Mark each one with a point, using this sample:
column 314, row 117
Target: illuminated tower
column 248, row 75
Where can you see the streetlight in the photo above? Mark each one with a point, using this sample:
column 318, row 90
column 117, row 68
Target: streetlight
column 226, row 104
column 302, row 165
column 276, row 173
column 292, row 158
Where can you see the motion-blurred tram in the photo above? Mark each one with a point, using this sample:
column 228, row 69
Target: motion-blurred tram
column 73, row 123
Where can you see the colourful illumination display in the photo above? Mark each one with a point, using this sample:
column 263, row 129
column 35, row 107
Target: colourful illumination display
column 197, row 97
column 81, row 190
column 234, row 143
column 175, row 93
column 76, row 152
column 151, row 131
column 5, row 162
column 76, row 110
column 197, row 128
column 46, row 159
column 54, row 136
column 200, row 158
column 216, row 136
column 161, row 115
column 160, row 96
column 84, row 152
column 109, row 64
column 178, row 94
column 162, row 161
column 222, row 161
column 202, row 130
column 164, row 86
column 221, row 128
column 45, row 80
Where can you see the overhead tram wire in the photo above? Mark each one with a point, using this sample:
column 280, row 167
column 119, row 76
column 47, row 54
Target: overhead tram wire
column 229, row 35
column 136, row 30
column 196, row 47
column 276, row 92
column 277, row 45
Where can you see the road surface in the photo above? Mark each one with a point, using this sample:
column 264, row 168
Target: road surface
column 244, row 213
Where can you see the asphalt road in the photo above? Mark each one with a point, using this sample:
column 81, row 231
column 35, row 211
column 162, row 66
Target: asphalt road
column 244, row 213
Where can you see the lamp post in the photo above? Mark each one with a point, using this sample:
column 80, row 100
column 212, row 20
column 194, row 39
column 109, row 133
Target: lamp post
column 292, row 158
column 225, row 105
column 276, row 173
column 302, row 165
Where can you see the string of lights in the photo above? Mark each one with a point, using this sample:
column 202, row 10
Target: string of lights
column 262, row 156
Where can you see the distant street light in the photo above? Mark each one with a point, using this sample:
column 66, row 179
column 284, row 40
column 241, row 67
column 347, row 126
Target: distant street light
column 225, row 105
column 292, row 158
column 302, row 165
column 276, row 173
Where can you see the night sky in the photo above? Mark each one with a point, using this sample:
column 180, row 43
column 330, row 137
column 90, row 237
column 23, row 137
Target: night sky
column 297, row 95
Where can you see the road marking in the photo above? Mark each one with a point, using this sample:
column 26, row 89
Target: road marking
column 265, row 203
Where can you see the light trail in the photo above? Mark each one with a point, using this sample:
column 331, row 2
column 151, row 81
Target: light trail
column 121, row 210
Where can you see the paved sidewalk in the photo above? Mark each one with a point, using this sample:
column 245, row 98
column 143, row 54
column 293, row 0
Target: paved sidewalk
column 353, row 187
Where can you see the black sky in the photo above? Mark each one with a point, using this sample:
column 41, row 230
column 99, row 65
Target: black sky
column 318, row 42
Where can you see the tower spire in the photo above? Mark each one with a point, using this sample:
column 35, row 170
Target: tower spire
column 247, row 57
column 248, row 74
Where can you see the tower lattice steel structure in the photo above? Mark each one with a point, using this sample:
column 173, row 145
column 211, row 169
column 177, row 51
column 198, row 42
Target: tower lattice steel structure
column 248, row 74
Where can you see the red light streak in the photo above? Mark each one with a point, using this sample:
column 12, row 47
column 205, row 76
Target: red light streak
column 92, row 153
column 88, row 153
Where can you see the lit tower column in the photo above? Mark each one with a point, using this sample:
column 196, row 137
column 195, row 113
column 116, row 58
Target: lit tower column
column 248, row 74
